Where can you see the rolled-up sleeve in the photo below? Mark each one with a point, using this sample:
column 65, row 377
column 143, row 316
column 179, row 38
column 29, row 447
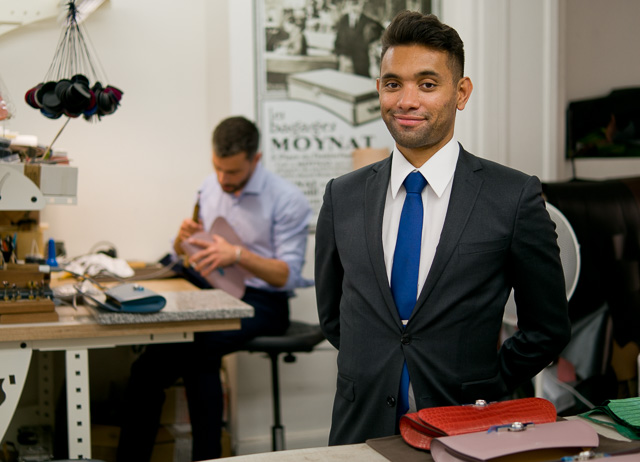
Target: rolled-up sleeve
column 290, row 231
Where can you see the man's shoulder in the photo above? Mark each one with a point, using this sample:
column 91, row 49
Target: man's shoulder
column 362, row 173
column 279, row 183
column 283, row 191
column 490, row 168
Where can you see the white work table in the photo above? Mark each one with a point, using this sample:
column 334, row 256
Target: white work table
column 79, row 330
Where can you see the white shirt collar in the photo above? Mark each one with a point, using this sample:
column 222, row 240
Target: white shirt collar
column 438, row 170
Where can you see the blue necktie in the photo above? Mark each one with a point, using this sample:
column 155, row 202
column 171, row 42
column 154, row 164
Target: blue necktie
column 406, row 264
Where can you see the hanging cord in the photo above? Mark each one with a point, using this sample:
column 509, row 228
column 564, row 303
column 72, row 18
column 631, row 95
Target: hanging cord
column 72, row 52
column 55, row 67
column 100, row 74
column 68, row 89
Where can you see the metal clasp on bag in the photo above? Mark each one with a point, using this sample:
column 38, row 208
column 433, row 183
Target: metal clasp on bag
column 512, row 427
column 138, row 287
column 480, row 403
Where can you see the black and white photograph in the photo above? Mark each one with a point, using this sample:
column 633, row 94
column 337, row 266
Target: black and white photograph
column 318, row 106
column 342, row 35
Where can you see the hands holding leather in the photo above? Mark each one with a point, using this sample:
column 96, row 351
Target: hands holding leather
column 220, row 253
column 188, row 228
column 214, row 254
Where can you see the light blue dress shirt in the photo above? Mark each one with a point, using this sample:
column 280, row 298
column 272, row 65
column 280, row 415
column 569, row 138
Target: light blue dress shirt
column 271, row 216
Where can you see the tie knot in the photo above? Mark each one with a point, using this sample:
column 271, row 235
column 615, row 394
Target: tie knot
column 414, row 183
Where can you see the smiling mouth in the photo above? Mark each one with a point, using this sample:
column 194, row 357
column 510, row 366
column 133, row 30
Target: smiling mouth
column 408, row 121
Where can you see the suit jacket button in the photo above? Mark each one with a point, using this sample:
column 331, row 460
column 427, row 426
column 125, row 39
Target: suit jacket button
column 391, row 401
column 405, row 339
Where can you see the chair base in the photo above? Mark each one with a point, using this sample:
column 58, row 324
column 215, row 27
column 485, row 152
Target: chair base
column 277, row 438
column 300, row 337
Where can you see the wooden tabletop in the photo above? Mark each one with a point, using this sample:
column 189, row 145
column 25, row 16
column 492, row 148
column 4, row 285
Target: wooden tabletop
column 79, row 323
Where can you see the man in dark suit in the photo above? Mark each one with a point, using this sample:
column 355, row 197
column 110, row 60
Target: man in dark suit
column 355, row 32
column 484, row 230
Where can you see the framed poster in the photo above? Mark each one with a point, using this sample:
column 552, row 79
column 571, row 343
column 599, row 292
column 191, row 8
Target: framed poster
column 318, row 108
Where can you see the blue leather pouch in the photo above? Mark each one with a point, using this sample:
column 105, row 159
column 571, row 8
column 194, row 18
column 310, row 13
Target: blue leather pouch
column 134, row 298
column 129, row 298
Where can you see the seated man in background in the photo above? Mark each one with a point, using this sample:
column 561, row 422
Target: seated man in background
column 271, row 217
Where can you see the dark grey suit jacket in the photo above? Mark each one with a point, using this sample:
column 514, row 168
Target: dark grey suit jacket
column 497, row 236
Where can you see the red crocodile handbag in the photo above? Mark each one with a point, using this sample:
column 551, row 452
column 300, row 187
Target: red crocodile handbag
column 419, row 428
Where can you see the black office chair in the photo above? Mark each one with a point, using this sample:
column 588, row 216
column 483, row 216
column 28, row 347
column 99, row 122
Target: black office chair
column 301, row 337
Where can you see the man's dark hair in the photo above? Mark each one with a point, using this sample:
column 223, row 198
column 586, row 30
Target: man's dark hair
column 413, row 28
column 235, row 135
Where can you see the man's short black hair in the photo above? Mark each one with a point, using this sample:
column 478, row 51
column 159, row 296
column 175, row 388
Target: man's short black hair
column 235, row 135
column 414, row 28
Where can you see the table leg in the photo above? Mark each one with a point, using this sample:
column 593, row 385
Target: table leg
column 78, row 414
column 46, row 408
column 14, row 366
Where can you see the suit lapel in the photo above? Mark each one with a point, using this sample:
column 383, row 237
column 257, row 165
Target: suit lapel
column 374, row 201
column 464, row 192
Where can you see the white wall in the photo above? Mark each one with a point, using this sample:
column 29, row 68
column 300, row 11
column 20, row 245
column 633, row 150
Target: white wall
column 139, row 168
column 601, row 38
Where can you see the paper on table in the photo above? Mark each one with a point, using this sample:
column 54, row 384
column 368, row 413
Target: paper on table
column 231, row 278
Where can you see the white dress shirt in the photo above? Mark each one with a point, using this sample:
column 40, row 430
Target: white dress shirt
column 438, row 171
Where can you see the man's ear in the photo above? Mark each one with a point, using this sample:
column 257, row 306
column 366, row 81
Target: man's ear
column 257, row 157
column 465, row 87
